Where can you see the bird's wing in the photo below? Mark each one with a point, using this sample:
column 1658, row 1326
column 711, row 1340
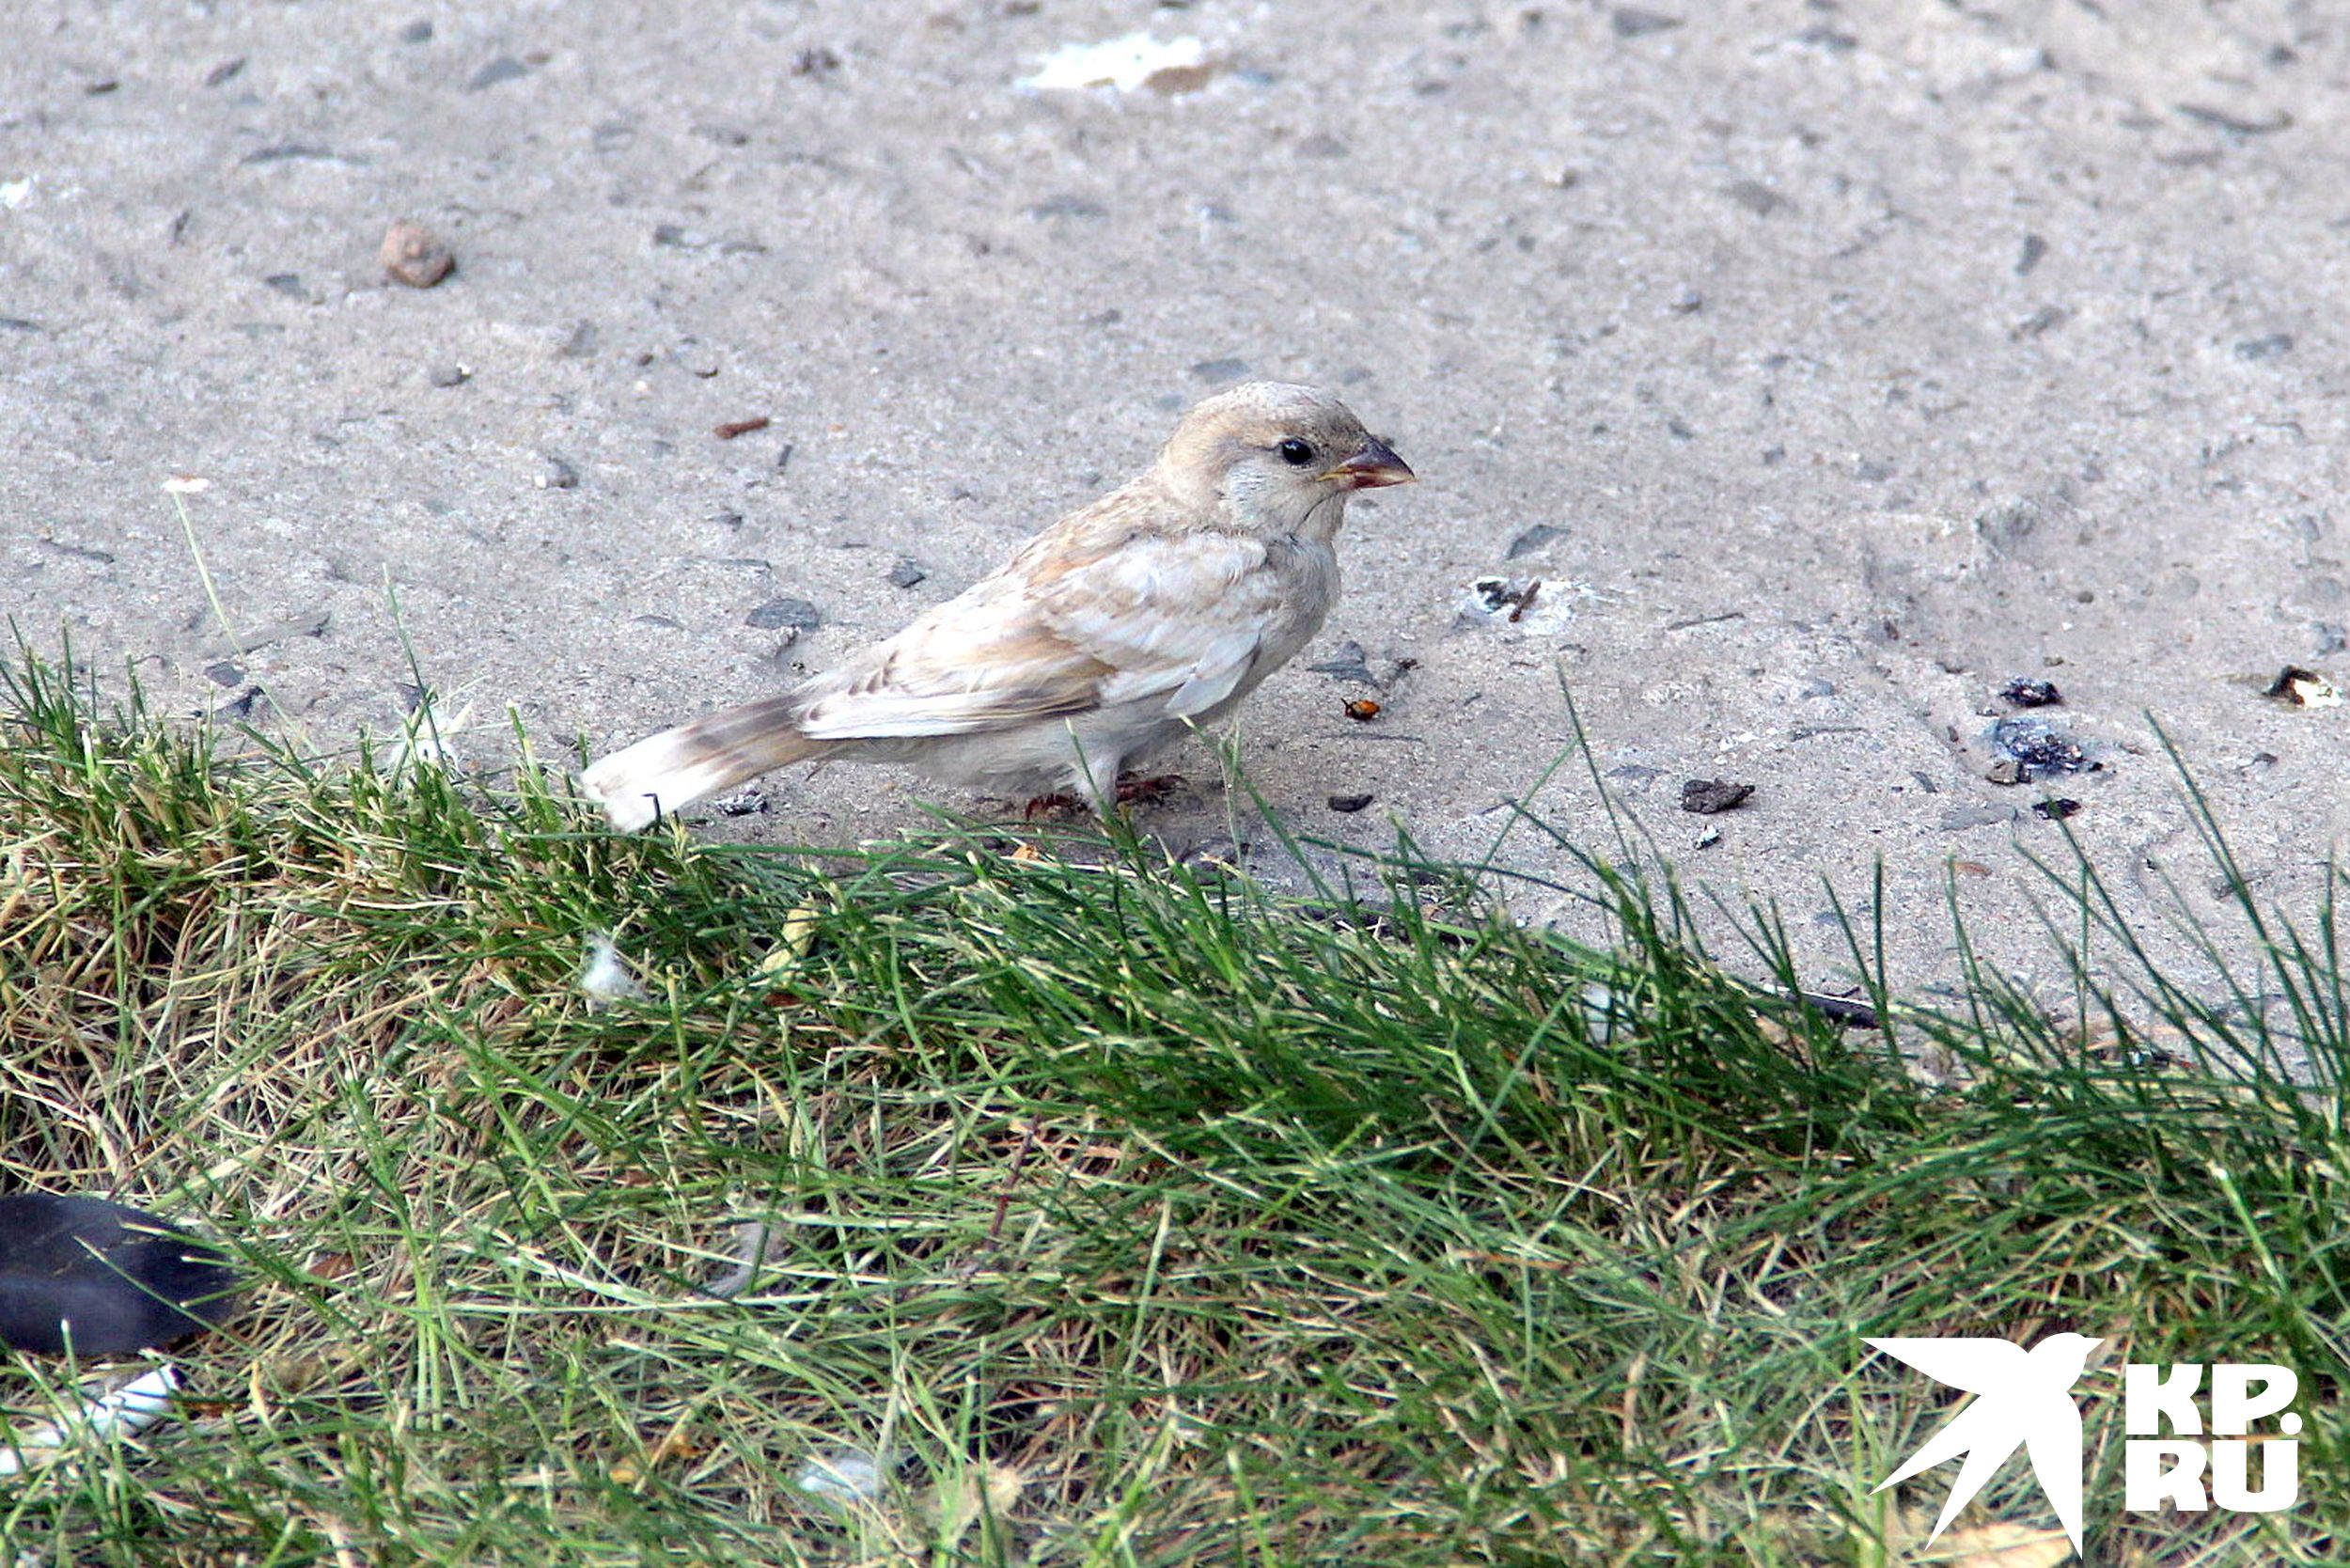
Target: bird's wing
column 1059, row 632
column 2052, row 1437
column 1182, row 615
column 981, row 661
column 1985, row 1455
column 1978, row 1366
column 1972, row 1429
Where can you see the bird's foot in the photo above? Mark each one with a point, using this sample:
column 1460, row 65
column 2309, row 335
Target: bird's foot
column 1133, row 791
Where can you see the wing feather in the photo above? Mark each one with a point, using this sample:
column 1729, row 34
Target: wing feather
column 1062, row 632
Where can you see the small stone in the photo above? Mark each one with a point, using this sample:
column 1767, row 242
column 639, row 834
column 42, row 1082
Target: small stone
column 2040, row 323
column 818, row 61
column 908, row 573
column 414, row 255
column 2054, row 811
column 504, row 68
column 1349, row 805
column 416, row 32
column 289, row 284
column 1756, row 197
column 749, row 802
column 2037, row 747
column 1707, row 796
column 223, row 71
column 1532, row 539
column 796, row 615
column 2275, row 345
column 1630, row 22
column 224, row 673
column 2027, row 692
column 448, row 375
column 1175, row 81
column 557, row 474
column 1220, row 369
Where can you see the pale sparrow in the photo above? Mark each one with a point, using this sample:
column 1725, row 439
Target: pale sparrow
column 1155, row 609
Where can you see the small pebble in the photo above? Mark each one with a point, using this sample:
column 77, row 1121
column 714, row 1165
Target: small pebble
column 448, row 375
column 2055, row 811
column 504, row 68
column 749, row 802
column 557, row 474
column 795, row 615
column 1706, row 796
column 414, row 255
column 2025, row 691
column 1349, row 805
column 2031, row 747
column 1632, row 22
column 1532, row 539
column 907, row 574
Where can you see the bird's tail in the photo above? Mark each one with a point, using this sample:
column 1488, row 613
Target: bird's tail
column 661, row 773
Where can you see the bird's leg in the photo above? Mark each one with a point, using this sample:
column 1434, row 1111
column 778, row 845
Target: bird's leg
column 1056, row 806
column 1137, row 790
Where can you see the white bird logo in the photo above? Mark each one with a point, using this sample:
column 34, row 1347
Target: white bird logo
column 2023, row 1399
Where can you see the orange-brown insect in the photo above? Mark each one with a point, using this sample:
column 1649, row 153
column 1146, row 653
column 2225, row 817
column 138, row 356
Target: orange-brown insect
column 1362, row 710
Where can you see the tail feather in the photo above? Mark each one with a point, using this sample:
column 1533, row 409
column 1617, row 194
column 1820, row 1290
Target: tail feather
column 661, row 773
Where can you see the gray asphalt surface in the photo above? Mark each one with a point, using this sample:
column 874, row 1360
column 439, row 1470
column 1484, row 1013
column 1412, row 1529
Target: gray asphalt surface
column 1828, row 365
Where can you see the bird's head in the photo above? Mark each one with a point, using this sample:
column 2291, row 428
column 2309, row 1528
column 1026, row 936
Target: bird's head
column 1276, row 459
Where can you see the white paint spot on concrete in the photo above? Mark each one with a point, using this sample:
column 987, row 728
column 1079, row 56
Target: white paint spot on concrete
column 1123, row 63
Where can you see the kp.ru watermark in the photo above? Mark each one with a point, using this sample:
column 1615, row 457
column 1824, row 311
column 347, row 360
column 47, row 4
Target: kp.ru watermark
column 2174, row 1455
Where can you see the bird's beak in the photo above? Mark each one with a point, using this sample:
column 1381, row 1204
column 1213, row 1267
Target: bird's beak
column 1371, row 468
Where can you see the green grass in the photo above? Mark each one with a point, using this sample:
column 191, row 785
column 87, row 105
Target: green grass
column 1132, row 1215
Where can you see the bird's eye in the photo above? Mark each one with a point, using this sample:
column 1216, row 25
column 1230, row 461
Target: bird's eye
column 1296, row 453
